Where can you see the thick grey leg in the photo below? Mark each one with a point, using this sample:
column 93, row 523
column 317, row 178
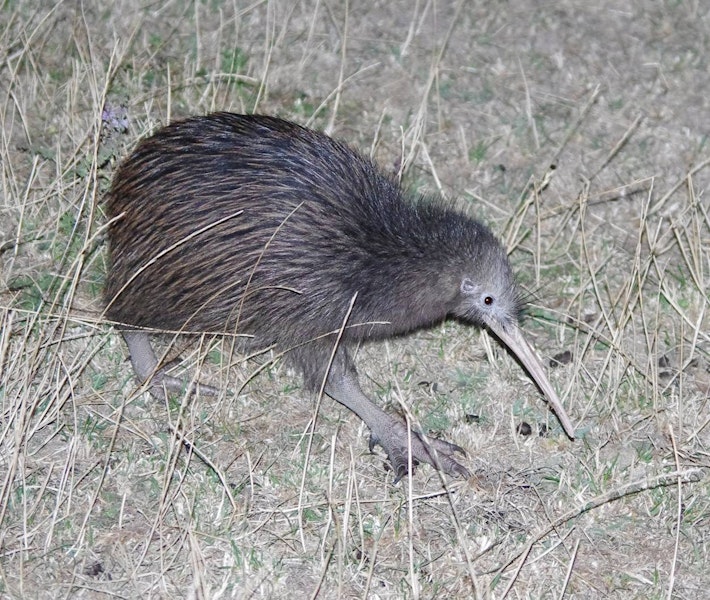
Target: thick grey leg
column 388, row 431
column 145, row 367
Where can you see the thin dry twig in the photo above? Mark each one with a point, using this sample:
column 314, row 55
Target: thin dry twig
column 634, row 487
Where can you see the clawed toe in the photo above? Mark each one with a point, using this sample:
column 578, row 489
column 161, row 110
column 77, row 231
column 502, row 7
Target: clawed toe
column 160, row 382
column 399, row 445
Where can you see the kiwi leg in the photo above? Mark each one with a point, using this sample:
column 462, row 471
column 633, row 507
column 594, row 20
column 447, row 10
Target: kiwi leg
column 145, row 366
column 389, row 431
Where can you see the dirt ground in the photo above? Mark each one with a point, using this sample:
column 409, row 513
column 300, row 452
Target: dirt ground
column 577, row 131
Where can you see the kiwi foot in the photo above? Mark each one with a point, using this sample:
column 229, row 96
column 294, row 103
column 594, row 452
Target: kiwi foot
column 392, row 436
column 145, row 367
column 160, row 383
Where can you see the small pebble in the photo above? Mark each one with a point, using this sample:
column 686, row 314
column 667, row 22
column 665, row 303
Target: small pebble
column 664, row 362
column 561, row 358
column 524, row 428
column 94, row 569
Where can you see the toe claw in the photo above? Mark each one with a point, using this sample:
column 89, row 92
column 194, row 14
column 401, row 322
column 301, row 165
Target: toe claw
column 462, row 471
column 401, row 472
column 372, row 443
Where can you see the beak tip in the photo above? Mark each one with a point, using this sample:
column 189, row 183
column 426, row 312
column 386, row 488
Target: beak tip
column 567, row 426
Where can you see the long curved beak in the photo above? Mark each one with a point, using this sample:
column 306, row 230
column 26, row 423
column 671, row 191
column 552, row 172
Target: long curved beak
column 513, row 338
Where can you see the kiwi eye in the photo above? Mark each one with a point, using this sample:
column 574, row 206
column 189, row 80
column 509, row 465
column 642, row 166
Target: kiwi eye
column 488, row 300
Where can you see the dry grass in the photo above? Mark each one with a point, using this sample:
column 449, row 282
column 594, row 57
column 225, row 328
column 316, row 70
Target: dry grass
column 106, row 493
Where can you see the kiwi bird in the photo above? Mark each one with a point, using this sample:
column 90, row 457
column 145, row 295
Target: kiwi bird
column 255, row 225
